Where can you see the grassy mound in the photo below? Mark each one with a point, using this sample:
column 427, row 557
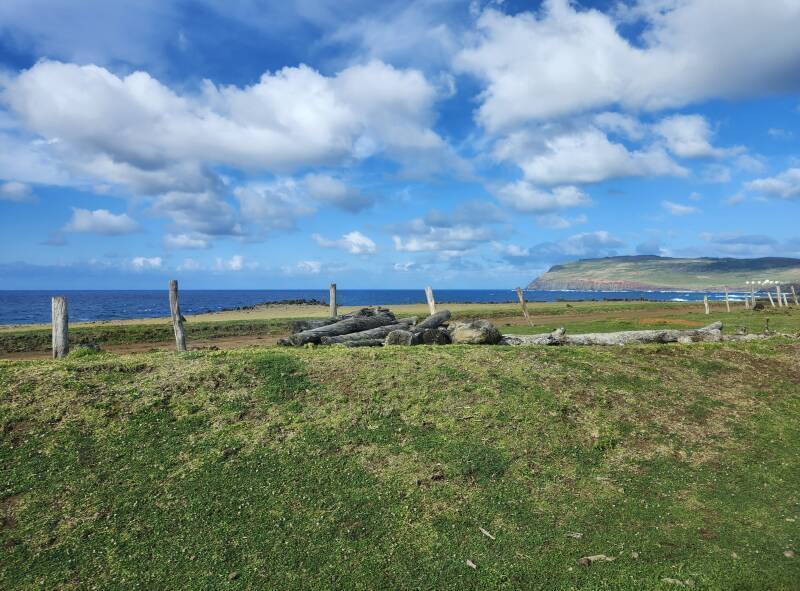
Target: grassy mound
column 377, row 469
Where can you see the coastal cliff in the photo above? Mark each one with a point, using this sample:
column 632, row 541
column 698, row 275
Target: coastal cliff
column 643, row 273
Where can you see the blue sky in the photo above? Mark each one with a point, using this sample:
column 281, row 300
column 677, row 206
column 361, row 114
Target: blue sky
column 263, row 144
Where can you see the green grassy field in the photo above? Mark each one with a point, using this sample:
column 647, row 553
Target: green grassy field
column 574, row 316
column 39, row 339
column 333, row 468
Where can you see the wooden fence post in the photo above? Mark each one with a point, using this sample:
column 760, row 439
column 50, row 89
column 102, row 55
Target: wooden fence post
column 431, row 301
column 727, row 301
column 705, row 303
column 780, row 296
column 177, row 319
column 771, row 301
column 521, row 298
column 333, row 304
column 794, row 295
column 60, row 327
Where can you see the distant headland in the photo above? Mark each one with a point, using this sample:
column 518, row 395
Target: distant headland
column 650, row 272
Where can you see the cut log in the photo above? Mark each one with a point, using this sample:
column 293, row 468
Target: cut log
column 374, row 333
column 475, row 332
column 435, row 336
column 301, row 325
column 433, row 321
column 710, row 333
column 401, row 337
column 363, row 343
column 355, row 324
column 755, row 337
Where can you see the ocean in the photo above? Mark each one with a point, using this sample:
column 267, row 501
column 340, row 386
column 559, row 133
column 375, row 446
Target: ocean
column 28, row 307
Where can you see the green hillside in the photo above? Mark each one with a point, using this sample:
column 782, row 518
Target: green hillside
column 457, row 467
column 654, row 272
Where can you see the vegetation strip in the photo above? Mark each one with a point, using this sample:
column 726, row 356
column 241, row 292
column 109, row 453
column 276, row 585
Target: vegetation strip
column 576, row 317
column 356, row 468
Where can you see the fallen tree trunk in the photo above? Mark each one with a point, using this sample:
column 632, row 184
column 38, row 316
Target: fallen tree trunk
column 759, row 336
column 354, row 324
column 710, row 333
column 373, row 333
column 433, row 321
column 304, row 325
column 363, row 343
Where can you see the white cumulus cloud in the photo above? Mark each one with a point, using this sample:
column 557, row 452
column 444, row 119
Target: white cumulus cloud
column 353, row 242
column 136, row 131
column 584, row 155
column 17, row 192
column 525, row 197
column 145, row 263
column 785, row 185
column 688, row 136
column 235, row 263
column 100, row 221
column 567, row 59
column 185, row 241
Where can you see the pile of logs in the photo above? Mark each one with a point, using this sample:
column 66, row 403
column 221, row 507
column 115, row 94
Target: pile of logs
column 377, row 327
column 370, row 327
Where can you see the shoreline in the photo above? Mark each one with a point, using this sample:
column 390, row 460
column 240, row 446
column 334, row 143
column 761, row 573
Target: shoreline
column 124, row 313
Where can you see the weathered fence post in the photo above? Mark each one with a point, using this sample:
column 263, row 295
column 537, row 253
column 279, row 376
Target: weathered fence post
column 705, row 303
column 521, row 298
column 334, row 306
column 177, row 319
column 771, row 301
column 431, row 301
column 60, row 327
column 794, row 295
column 780, row 296
column 727, row 301
column 785, row 300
